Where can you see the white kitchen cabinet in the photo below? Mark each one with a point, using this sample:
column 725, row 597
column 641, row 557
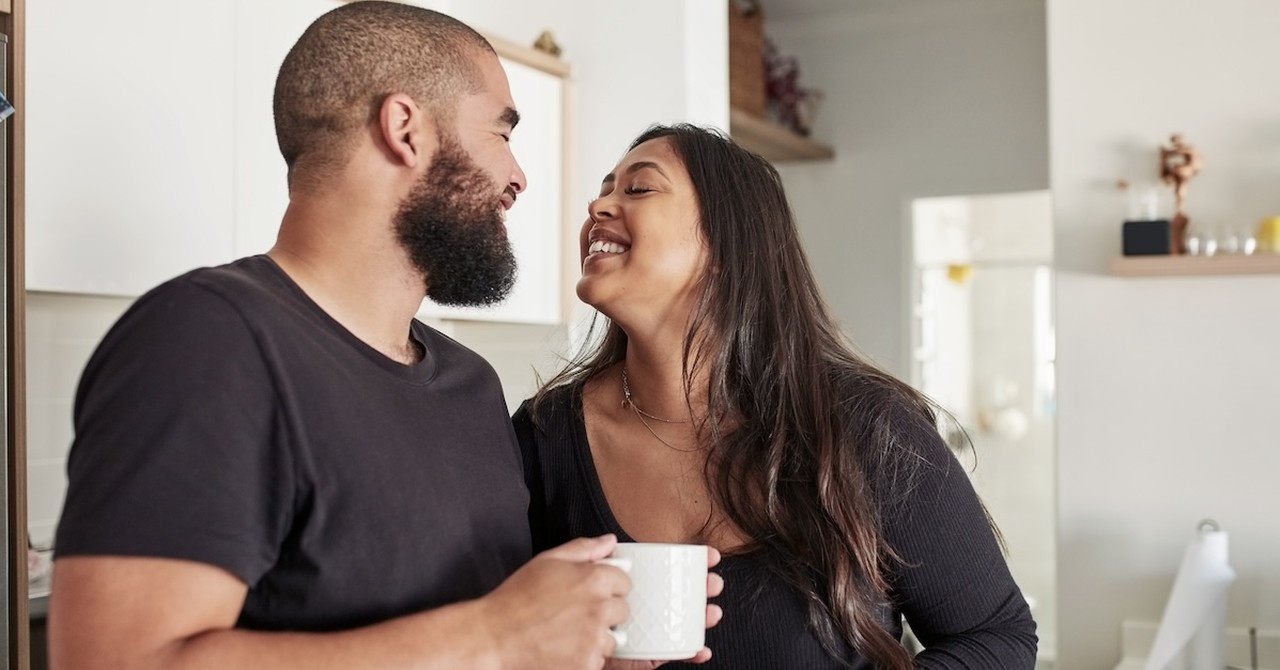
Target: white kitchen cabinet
column 152, row 148
column 130, row 142
column 535, row 225
column 265, row 31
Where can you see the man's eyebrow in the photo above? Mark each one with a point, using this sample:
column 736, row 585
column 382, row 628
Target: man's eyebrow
column 510, row 117
column 636, row 167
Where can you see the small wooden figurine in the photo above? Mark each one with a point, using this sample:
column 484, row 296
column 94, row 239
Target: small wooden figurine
column 1179, row 162
column 546, row 43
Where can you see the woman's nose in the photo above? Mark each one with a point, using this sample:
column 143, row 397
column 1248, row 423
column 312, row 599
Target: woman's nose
column 600, row 208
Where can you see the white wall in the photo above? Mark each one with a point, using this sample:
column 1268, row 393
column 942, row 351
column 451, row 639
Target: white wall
column 927, row 98
column 1168, row 387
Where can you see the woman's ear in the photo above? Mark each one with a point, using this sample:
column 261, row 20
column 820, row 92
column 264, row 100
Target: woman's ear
column 408, row 131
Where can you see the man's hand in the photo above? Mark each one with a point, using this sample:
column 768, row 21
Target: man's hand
column 556, row 611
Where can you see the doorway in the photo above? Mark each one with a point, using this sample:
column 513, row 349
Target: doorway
column 983, row 348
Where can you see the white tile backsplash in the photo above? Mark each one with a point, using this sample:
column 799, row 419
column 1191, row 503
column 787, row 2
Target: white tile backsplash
column 522, row 355
column 62, row 332
column 1138, row 637
column 46, row 486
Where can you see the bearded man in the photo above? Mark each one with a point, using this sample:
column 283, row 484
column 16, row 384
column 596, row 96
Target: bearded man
column 275, row 464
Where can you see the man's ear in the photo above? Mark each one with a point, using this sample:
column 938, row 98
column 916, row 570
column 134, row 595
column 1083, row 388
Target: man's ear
column 408, row 130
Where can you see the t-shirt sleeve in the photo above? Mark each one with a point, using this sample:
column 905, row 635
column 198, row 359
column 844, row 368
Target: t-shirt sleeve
column 953, row 585
column 176, row 451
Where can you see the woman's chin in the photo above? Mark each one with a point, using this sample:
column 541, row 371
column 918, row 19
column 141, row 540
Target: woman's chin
column 588, row 292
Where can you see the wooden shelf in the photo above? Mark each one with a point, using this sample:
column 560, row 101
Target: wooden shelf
column 773, row 142
column 538, row 60
column 1170, row 266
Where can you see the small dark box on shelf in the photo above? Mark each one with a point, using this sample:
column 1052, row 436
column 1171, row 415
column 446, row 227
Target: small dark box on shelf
column 1147, row 238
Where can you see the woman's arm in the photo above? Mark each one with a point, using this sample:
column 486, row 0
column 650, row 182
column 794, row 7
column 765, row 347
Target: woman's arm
column 526, row 435
column 953, row 585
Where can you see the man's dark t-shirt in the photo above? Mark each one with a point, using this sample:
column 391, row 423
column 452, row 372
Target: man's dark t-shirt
column 227, row 419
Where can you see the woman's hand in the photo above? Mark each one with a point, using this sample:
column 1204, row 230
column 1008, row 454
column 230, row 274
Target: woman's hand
column 715, row 585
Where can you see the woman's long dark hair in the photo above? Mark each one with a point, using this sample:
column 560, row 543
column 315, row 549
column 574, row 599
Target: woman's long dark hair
column 808, row 420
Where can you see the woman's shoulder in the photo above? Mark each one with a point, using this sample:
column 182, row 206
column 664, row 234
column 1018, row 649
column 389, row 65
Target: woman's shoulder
column 894, row 430
column 886, row 407
column 550, row 408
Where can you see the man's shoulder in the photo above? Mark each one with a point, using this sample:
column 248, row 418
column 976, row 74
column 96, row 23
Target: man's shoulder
column 245, row 285
column 239, row 282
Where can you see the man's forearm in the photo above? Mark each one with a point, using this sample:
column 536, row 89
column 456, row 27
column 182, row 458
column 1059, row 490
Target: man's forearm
column 449, row 637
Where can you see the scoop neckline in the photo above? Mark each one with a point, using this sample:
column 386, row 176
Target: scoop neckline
column 587, row 465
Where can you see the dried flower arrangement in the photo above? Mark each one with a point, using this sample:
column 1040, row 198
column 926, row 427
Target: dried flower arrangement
column 789, row 103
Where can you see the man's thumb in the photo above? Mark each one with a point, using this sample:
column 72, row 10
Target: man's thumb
column 584, row 549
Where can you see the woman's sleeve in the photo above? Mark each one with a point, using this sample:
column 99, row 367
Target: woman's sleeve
column 953, row 584
column 527, row 435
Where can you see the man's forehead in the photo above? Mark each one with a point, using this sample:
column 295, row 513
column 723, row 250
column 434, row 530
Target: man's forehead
column 495, row 83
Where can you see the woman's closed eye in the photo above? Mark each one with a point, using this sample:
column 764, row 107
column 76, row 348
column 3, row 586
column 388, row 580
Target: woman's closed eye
column 637, row 190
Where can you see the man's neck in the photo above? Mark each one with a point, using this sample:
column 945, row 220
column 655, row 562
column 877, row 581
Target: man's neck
column 344, row 256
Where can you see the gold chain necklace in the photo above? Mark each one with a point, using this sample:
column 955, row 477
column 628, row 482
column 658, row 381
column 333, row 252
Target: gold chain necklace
column 628, row 401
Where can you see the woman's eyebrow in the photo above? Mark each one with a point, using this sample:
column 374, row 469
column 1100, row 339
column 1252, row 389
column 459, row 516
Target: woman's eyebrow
column 636, row 167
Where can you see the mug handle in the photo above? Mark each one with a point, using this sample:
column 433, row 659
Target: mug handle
column 623, row 564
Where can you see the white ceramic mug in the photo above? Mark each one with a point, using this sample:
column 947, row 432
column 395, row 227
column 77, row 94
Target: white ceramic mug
column 668, row 600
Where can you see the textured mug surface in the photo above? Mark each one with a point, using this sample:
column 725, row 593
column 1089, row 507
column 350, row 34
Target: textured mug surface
column 668, row 601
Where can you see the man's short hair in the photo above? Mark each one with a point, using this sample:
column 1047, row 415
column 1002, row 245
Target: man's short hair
column 337, row 75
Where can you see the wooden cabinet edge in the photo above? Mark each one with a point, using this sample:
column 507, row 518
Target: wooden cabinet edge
column 19, row 652
column 508, row 49
column 772, row 141
column 1195, row 266
column 529, row 56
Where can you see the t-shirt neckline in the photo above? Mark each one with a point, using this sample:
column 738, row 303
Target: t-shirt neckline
column 421, row 372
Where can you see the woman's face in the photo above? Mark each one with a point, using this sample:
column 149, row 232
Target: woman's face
column 641, row 247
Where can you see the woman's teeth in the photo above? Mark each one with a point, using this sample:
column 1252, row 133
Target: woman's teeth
column 607, row 247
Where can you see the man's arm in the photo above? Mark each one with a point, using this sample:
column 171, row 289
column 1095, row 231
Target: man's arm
column 144, row 613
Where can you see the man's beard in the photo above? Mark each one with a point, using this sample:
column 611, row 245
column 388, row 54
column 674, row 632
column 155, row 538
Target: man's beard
column 453, row 229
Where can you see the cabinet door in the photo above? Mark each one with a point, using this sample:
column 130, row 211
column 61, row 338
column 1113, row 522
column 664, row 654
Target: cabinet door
column 535, row 224
column 265, row 31
column 129, row 142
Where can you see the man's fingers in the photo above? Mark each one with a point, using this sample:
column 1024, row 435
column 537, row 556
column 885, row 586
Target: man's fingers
column 584, row 549
column 608, row 643
column 617, row 611
column 611, row 580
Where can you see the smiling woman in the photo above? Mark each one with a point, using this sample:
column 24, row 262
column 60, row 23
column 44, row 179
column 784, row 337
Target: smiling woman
column 642, row 251
column 722, row 406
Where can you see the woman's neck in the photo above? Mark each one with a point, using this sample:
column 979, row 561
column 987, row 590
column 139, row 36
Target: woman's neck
column 651, row 380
